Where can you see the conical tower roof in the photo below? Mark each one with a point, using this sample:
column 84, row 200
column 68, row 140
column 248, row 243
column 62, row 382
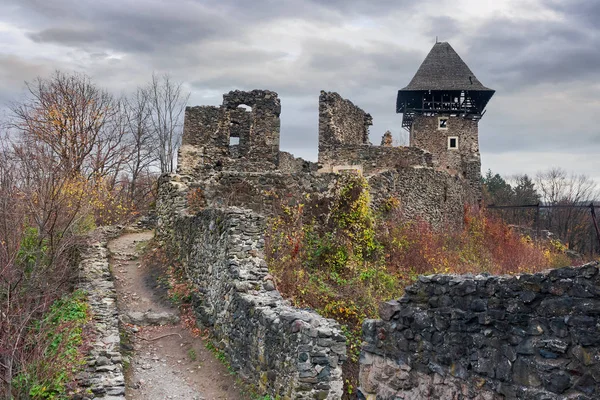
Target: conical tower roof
column 443, row 69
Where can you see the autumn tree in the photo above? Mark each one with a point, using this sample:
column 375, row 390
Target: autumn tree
column 41, row 206
column 70, row 115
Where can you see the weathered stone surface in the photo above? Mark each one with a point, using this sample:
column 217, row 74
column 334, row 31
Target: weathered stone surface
column 286, row 352
column 494, row 338
column 249, row 173
column 150, row 318
column 104, row 371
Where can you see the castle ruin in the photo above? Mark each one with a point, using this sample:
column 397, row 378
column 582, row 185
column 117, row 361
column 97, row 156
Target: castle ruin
column 231, row 152
column 230, row 158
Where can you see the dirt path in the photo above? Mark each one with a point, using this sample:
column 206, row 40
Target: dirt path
column 177, row 366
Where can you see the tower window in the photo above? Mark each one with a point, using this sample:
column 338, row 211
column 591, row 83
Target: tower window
column 442, row 123
column 452, row 142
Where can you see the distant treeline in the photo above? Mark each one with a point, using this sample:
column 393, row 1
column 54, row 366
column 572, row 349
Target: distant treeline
column 555, row 187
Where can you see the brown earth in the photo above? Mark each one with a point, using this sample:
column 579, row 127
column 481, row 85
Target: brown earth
column 166, row 362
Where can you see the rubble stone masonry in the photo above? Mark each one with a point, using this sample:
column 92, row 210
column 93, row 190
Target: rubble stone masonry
column 528, row 337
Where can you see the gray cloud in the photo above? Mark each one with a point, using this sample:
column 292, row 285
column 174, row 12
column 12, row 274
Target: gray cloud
column 517, row 53
column 14, row 72
column 583, row 12
column 154, row 26
column 544, row 71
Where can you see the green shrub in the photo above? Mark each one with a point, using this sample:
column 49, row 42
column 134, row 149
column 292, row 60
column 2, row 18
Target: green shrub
column 59, row 335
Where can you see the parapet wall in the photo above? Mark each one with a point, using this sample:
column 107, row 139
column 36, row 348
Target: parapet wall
column 288, row 353
column 488, row 337
column 103, row 376
column 424, row 193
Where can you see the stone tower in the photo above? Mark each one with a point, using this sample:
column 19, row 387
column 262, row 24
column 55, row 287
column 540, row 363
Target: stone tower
column 441, row 109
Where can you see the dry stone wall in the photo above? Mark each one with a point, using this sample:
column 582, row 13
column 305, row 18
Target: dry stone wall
column 531, row 337
column 424, row 193
column 289, row 353
column 103, row 377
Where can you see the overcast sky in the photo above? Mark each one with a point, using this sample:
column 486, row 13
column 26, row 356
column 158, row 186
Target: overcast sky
column 541, row 56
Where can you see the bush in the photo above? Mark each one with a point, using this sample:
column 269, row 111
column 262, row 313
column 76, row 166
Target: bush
column 342, row 258
column 57, row 341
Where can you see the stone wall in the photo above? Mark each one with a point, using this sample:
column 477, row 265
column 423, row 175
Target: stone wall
column 206, row 143
column 103, row 376
column 286, row 352
column 488, row 337
column 288, row 163
column 172, row 199
column 424, row 193
column 434, row 196
column 341, row 124
column 371, row 160
column 344, row 141
column 464, row 161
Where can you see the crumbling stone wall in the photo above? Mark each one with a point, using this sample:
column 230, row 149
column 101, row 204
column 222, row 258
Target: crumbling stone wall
column 290, row 164
column 207, row 132
column 424, row 193
column 341, row 122
column 172, row 199
column 488, row 337
column 259, row 144
column 344, row 141
column 288, row 353
column 371, row 160
column 434, row 196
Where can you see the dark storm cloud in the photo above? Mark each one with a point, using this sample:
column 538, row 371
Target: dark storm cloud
column 544, row 66
column 145, row 28
column 582, row 12
column 518, row 53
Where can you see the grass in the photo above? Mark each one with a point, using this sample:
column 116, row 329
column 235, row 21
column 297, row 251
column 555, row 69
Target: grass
column 62, row 346
column 141, row 246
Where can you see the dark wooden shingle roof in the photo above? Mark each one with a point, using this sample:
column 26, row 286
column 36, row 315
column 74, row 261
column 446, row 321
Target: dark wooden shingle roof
column 443, row 69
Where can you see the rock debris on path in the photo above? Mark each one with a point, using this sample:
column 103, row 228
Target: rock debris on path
column 166, row 361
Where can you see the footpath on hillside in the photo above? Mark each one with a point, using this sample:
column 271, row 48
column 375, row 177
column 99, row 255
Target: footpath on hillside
column 166, row 361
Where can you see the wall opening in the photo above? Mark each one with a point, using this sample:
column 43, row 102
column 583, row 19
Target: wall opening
column 234, row 141
column 452, row 142
column 442, row 123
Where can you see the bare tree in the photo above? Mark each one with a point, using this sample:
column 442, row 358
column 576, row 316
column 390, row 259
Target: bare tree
column 138, row 115
column 168, row 100
column 40, row 203
column 111, row 151
column 557, row 187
